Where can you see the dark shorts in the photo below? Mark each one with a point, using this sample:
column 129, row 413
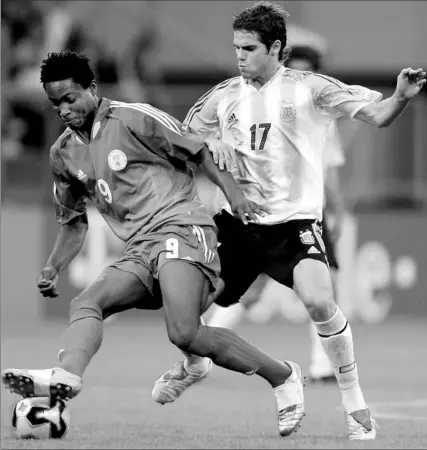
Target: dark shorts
column 329, row 244
column 145, row 254
column 246, row 251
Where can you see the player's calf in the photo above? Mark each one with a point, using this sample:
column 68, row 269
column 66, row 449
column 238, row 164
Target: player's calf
column 55, row 383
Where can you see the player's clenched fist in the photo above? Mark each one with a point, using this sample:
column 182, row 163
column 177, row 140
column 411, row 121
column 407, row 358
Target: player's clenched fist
column 46, row 282
column 410, row 82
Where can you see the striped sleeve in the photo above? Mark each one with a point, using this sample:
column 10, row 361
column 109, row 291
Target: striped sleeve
column 157, row 130
column 336, row 99
column 203, row 116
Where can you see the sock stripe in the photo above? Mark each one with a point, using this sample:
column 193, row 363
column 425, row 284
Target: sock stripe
column 348, row 367
column 335, row 334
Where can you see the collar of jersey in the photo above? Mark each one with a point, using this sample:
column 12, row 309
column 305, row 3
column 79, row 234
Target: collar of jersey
column 102, row 112
column 278, row 73
column 103, row 109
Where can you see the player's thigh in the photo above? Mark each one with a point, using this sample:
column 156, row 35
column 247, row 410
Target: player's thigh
column 296, row 257
column 195, row 245
column 185, row 288
column 114, row 291
column 180, row 253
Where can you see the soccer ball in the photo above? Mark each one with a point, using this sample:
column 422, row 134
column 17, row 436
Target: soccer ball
column 40, row 418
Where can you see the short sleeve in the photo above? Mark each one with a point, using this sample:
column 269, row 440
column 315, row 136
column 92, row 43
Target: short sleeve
column 161, row 132
column 202, row 118
column 336, row 99
column 68, row 201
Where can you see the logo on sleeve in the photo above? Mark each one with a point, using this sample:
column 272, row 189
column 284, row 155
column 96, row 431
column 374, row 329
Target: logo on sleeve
column 117, row 160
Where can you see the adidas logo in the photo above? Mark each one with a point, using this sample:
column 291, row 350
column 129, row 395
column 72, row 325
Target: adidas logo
column 81, row 175
column 313, row 250
column 232, row 118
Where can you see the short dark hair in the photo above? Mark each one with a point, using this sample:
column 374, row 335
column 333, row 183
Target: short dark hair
column 266, row 19
column 307, row 53
column 67, row 64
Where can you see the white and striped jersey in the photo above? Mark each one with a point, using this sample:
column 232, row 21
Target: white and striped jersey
column 279, row 133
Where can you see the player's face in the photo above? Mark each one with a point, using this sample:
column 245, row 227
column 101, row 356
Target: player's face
column 300, row 64
column 74, row 105
column 253, row 58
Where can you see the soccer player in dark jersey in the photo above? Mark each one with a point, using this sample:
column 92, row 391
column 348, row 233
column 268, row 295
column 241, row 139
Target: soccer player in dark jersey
column 130, row 159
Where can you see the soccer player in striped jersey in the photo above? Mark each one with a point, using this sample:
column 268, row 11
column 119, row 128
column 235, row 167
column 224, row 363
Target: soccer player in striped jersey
column 131, row 161
column 306, row 55
column 277, row 120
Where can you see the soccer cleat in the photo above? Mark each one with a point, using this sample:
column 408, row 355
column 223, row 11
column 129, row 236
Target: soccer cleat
column 361, row 426
column 174, row 382
column 55, row 383
column 290, row 401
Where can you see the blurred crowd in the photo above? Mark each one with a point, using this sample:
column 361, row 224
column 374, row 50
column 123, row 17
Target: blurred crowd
column 119, row 37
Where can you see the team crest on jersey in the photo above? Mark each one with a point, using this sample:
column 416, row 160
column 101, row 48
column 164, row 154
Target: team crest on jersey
column 117, row 160
column 307, row 237
column 288, row 113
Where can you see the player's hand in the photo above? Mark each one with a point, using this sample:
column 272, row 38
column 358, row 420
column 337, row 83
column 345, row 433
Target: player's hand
column 224, row 156
column 46, row 282
column 410, row 82
column 246, row 210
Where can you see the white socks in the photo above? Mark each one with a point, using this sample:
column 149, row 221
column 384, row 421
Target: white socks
column 337, row 340
column 320, row 365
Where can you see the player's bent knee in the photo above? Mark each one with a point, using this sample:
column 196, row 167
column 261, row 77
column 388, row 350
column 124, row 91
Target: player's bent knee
column 182, row 336
column 312, row 282
column 82, row 308
column 321, row 311
column 319, row 303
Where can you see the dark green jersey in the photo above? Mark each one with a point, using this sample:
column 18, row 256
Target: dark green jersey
column 134, row 169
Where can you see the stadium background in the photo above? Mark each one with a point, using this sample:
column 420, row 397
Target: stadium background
column 168, row 53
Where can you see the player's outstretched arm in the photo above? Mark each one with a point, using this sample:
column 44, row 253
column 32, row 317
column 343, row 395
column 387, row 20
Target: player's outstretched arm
column 243, row 208
column 68, row 243
column 384, row 113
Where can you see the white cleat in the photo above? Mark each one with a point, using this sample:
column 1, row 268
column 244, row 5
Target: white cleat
column 174, row 382
column 55, row 383
column 361, row 426
column 290, row 401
